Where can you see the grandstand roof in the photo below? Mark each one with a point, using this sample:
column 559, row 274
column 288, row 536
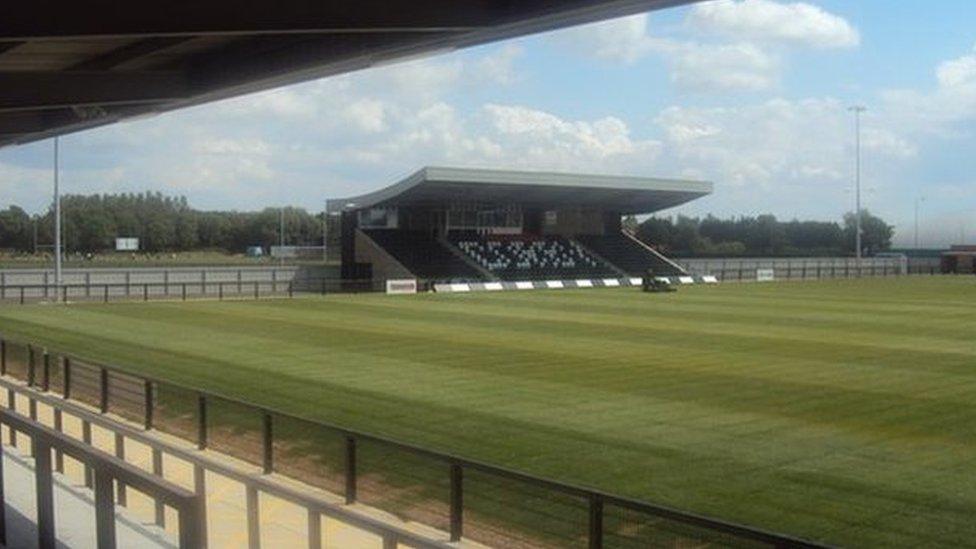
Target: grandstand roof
column 68, row 66
column 438, row 185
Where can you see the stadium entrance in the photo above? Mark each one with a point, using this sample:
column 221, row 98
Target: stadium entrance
column 455, row 226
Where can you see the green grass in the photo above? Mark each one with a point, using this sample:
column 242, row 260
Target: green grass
column 843, row 411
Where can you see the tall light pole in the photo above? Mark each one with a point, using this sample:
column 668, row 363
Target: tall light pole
column 917, row 200
column 281, row 235
column 857, row 110
column 57, row 222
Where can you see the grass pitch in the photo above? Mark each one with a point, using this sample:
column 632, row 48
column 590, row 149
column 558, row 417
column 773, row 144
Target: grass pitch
column 843, row 411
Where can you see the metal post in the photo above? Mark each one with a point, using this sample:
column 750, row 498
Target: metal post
column 104, row 510
column 12, row 404
column 145, row 291
column 30, row 365
column 44, row 487
column 857, row 110
column 596, row 522
column 148, row 405
column 350, row 470
column 86, row 437
column 3, row 357
column 103, row 404
column 157, row 467
column 253, row 518
column 202, row 422
column 66, row 378
column 200, row 487
column 105, row 296
column 3, row 504
column 314, row 528
column 193, row 526
column 184, row 291
column 46, row 372
column 120, row 453
column 268, row 440
column 57, row 216
column 457, row 502
column 255, row 289
column 58, row 454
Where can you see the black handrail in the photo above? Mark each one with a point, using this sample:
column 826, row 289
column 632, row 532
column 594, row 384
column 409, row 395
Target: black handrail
column 597, row 499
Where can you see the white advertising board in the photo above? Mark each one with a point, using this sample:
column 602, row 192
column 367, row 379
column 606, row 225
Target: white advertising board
column 401, row 286
column 126, row 244
column 765, row 275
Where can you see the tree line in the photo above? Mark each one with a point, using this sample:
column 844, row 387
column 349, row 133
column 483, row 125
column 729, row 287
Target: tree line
column 165, row 223
column 91, row 223
column 762, row 235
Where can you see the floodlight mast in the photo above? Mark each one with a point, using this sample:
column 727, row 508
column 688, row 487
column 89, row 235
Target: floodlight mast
column 857, row 110
column 57, row 223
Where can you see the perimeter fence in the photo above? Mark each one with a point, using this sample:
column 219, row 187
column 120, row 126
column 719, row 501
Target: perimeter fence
column 466, row 499
column 150, row 291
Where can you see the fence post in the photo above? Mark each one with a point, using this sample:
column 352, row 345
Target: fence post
column 58, row 454
column 3, row 357
column 21, row 295
column 44, row 485
column 3, row 504
column 148, row 405
column 202, row 422
column 253, row 518
column 596, row 522
column 128, row 285
column 64, row 293
column 314, row 529
column 103, row 403
column 255, row 289
column 46, row 372
column 88, row 284
column 86, row 437
column 104, row 510
column 157, row 467
column 12, row 404
column 120, row 453
column 30, row 365
column 66, row 378
column 184, row 291
column 220, row 291
column 105, row 298
column 200, row 487
column 145, row 291
column 457, row 502
column 350, row 470
column 268, row 440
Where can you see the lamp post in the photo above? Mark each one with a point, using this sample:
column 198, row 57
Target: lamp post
column 857, row 110
column 57, row 223
column 918, row 199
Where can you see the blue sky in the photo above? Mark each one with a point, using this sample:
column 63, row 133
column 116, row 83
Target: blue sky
column 750, row 94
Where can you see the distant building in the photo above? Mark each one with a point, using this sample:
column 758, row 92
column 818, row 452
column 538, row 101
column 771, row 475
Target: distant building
column 959, row 259
column 451, row 225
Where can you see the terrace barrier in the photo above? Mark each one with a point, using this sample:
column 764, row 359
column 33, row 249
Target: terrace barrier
column 147, row 291
column 466, row 500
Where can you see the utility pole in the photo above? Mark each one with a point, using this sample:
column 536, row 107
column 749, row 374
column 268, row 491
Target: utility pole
column 917, row 200
column 57, row 222
column 857, row 110
column 281, row 235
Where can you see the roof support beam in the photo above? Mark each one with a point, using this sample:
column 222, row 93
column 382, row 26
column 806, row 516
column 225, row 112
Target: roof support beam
column 128, row 53
column 24, row 91
column 104, row 18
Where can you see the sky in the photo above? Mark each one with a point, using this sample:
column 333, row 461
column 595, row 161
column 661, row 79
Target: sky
column 752, row 95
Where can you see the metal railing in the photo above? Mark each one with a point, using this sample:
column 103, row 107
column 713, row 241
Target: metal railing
column 147, row 291
column 736, row 270
column 464, row 498
column 106, row 470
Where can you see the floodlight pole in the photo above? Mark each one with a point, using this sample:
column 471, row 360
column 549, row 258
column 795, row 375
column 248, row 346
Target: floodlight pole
column 281, row 235
column 857, row 110
column 57, row 222
column 917, row 200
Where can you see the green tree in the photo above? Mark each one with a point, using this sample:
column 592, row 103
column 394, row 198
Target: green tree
column 875, row 233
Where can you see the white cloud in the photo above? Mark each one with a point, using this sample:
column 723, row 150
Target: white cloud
column 622, row 40
column 723, row 67
column 957, row 72
column 767, row 21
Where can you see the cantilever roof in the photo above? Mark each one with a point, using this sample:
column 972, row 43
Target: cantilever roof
column 68, row 66
column 433, row 185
